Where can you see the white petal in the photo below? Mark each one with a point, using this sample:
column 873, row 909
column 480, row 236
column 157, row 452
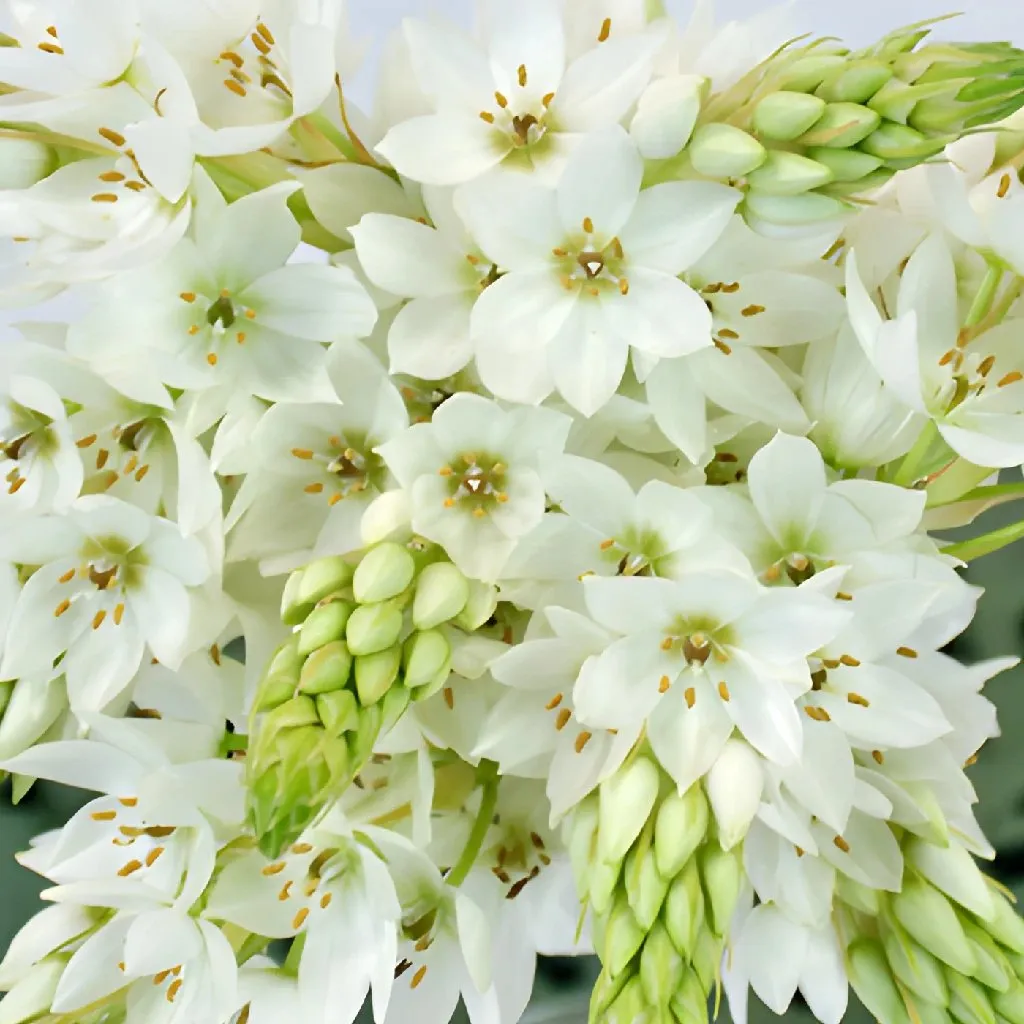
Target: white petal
column 607, row 198
column 660, row 315
column 164, row 151
column 93, row 972
column 823, row 980
column 762, row 709
column 587, row 358
column 665, row 116
column 678, row 406
column 787, row 483
column 45, row 931
column 340, row 194
column 320, row 303
column 824, row 781
column 450, row 66
column 788, row 624
column 444, row 149
column 408, row 258
column 513, row 365
column 430, row 337
column 928, row 288
column 622, row 685
column 773, row 948
column 530, row 35
column 675, row 223
column 631, row 604
column 519, row 303
column 162, row 606
column 589, row 491
column 159, row 941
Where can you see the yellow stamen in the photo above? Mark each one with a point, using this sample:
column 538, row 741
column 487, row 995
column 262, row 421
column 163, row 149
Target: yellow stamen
column 486, row 115
column 554, row 702
column 234, row 58
column 723, row 690
column 752, row 310
column 159, row 979
column 313, row 488
column 285, row 891
column 548, row 99
column 1011, row 378
column 118, row 614
column 850, row 660
column 325, row 900
column 588, row 225
column 691, row 696
column 606, row 30
column 172, row 989
column 906, row 652
column 878, row 756
column 274, row 869
column 111, row 136
column 606, row 544
column 130, row 465
column 104, row 197
column 500, row 100
column 232, row 86
column 563, row 718
column 334, row 499
column 522, row 75
column 240, row 337
column 856, row 698
column 260, row 44
column 130, row 868
column 731, row 289
column 61, row 608
column 51, row 48
column 97, row 619
column 623, row 286
column 842, row 844
column 302, row 453
column 142, row 471
column 67, row 577
column 1004, row 186
column 449, row 698
column 265, row 32
column 103, row 815
column 843, row 596
column 111, row 176
column 418, row 977
column 728, row 332
column 663, row 684
column 154, row 855
column 581, row 741
column 722, row 347
column 135, row 186
column 128, row 801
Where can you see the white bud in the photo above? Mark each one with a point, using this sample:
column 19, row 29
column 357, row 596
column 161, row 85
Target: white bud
column 32, row 709
column 952, row 870
column 666, row 113
column 33, row 993
column 23, row 162
column 734, row 787
column 723, row 151
column 387, row 517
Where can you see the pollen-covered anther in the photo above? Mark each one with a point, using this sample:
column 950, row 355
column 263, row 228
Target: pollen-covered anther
column 878, row 757
column 663, row 684
column 299, row 919
column 606, row 30
column 173, row 989
column 581, row 741
column 1004, row 186
column 752, row 310
column 417, row 978
column 610, row 543
column 623, row 286
column 906, row 652
column 274, row 869
column 722, row 347
column 233, row 86
column 588, row 225
column 563, row 719
column 690, row 695
column 849, row 660
column 1011, row 378
column 841, row 844
column 856, row 698
column 521, row 75
column 130, row 868
column 61, row 608
column 554, row 702
column 449, row 698
column 723, row 691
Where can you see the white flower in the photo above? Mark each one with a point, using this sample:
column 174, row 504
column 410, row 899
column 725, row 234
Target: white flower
column 111, row 582
column 700, row 656
column 440, row 269
column 971, row 387
column 734, row 785
column 515, row 103
column 592, row 271
column 313, row 468
column 225, row 315
column 471, row 477
column 796, row 522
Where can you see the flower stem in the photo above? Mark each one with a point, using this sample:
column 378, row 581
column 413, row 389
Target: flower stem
column 487, row 777
column 985, row 297
column 987, row 543
column 233, row 741
column 909, row 470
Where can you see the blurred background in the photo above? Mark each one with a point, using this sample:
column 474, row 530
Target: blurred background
column 563, row 985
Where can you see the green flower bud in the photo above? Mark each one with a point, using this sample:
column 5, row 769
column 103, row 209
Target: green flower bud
column 645, row 886
column 603, row 882
column 968, row 1001
column 396, row 700
column 23, row 162
column 785, row 116
column 293, row 609
column 952, row 870
column 338, row 711
column 373, row 627
column 273, row 692
column 855, row 81
column 901, row 146
column 425, row 655
column 661, row 966
column 480, row 605
column 928, row 917
column 326, row 669
column 1010, row 1004
column 842, row 125
column 376, row 673
column 859, row 896
column 629, row 1005
column 846, row 164
column 788, row 174
column 626, row 799
column 848, row 189
column 915, row 967
column 707, row 957
column 362, row 741
column 324, row 625
column 808, row 72
column 31, row 709
column 606, row 991
column 896, row 100
column 690, row 1003
column 873, row 982
column 722, row 151
column 29, row 997
column 324, row 577
column 680, row 827
column 993, row 969
column 623, row 936
column 582, row 830
column 1005, row 925
column 684, row 909
column 297, row 712
column 722, row 873
column 384, row 572
column 794, row 211
column 442, row 592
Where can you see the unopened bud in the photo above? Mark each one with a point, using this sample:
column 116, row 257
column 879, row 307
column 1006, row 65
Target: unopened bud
column 373, row 627
column 361, row 742
column 707, row 957
column 426, row 654
column 626, row 799
column 645, row 886
column 6, row 689
column 387, row 517
column 606, row 990
column 23, row 162
column 297, row 712
column 734, row 785
column 376, row 674
column 690, row 1003
column 623, row 936
column 845, row 164
column 582, row 841
column 722, row 151
column 385, row 571
column 1010, row 1004
column 968, row 1001
column 952, row 870
column 324, row 577
column 993, row 970
column 872, row 980
column 629, row 1006
column 854, row 81
column 603, row 883
column 661, row 966
column 684, row 910
column 396, row 700
column 901, row 146
column 801, row 211
column 1005, row 925
column 338, row 711
column 928, row 917
column 273, row 692
column 842, row 125
column 33, row 707
column 326, row 669
column 665, row 115
column 441, row 593
column 788, row 174
column 293, row 609
column 680, row 827
column 30, row 997
column 722, row 872
column 324, row 625
column 785, row 116
column 480, row 605
column 808, row 72
column 915, row 967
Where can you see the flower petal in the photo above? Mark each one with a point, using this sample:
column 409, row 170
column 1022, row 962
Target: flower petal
column 762, row 709
column 660, row 315
column 787, row 484
column 430, row 337
column 587, row 358
column 607, row 198
column 678, row 406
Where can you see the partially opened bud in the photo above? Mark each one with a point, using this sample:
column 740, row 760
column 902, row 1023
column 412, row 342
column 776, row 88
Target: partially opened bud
column 322, row 578
column 30, row 997
column 665, row 115
column 680, row 827
column 722, row 151
column 734, row 787
column 441, row 593
column 968, row 1001
column 626, row 801
column 23, row 162
column 326, row 669
column 952, row 870
column 479, row 607
column 33, row 707
column 384, row 572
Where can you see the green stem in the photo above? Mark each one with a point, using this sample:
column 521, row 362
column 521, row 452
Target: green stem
column 985, row 297
column 487, row 777
column 994, row 491
column 233, row 741
column 908, row 473
column 252, row 946
column 291, row 961
column 987, row 543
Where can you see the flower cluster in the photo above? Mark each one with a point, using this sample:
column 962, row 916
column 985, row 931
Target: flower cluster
column 506, row 521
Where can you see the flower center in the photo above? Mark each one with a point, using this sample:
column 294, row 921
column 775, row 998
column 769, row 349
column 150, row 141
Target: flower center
column 214, row 325
column 342, row 468
column 592, row 262
column 967, row 375
column 523, row 119
column 475, row 483
column 32, row 436
column 256, row 68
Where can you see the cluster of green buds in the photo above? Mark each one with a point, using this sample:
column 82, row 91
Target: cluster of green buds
column 948, row 947
column 814, row 126
column 369, row 638
column 662, row 891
